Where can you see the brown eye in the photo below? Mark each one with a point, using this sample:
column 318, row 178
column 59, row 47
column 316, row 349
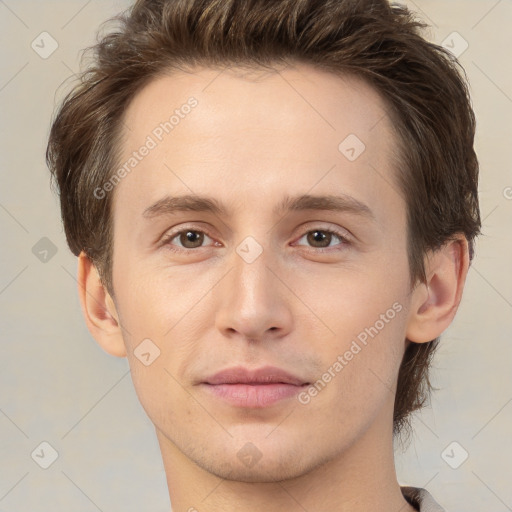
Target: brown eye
column 186, row 240
column 191, row 239
column 324, row 238
column 319, row 238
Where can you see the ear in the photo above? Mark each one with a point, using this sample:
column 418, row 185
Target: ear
column 99, row 309
column 435, row 302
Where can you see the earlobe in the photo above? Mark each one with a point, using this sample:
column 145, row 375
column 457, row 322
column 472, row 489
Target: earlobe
column 99, row 309
column 435, row 302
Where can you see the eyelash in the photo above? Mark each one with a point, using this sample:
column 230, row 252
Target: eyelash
column 344, row 241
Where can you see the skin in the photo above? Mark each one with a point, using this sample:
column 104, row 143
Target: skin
column 252, row 139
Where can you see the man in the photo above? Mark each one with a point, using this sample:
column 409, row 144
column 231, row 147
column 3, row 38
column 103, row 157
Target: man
column 273, row 205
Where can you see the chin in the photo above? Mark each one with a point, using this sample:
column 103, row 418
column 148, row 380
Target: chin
column 269, row 471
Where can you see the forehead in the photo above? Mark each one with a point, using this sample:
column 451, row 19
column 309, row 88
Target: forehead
column 275, row 100
column 256, row 131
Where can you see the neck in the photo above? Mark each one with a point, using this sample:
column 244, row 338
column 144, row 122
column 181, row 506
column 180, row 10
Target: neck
column 360, row 478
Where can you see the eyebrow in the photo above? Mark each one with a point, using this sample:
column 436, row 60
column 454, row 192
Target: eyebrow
column 169, row 205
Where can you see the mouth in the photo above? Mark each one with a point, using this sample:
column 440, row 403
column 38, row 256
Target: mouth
column 259, row 388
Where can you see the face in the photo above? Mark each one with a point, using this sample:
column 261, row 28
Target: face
column 289, row 252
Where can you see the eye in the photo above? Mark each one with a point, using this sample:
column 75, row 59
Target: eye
column 322, row 238
column 185, row 239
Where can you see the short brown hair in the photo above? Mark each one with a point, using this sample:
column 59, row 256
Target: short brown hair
column 423, row 86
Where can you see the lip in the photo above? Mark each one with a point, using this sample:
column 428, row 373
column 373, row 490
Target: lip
column 263, row 375
column 257, row 388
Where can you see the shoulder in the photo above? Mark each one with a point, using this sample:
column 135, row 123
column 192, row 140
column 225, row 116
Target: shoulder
column 421, row 499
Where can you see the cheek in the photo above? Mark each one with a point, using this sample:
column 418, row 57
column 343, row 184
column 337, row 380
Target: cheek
column 349, row 301
column 160, row 321
column 367, row 316
column 172, row 310
column 157, row 302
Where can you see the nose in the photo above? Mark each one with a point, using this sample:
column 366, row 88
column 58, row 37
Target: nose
column 253, row 303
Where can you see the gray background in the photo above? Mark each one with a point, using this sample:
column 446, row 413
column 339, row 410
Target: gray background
column 58, row 386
